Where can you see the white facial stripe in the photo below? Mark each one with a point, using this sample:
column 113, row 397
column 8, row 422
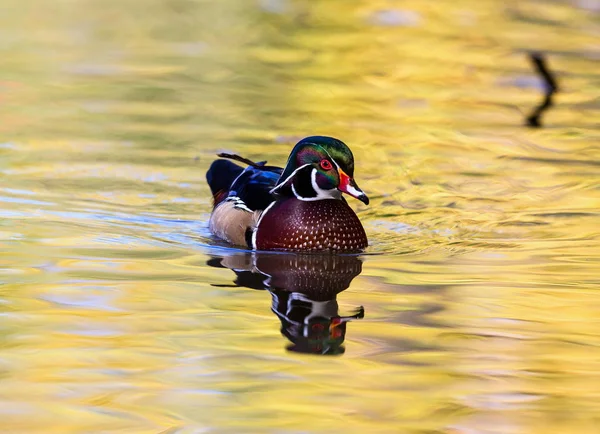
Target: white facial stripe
column 334, row 193
column 349, row 188
column 334, row 162
column 329, row 155
column 288, row 178
column 332, row 159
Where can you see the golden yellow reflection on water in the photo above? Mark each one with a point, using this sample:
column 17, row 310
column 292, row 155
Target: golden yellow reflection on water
column 480, row 289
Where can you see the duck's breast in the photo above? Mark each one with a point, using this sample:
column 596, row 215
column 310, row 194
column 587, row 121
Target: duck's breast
column 292, row 224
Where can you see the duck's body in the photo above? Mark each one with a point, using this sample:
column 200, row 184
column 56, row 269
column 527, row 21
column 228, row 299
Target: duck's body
column 296, row 208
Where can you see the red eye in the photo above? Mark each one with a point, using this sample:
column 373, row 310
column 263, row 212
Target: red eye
column 326, row 165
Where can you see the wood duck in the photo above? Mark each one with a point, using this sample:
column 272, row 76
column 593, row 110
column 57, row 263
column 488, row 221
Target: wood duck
column 296, row 208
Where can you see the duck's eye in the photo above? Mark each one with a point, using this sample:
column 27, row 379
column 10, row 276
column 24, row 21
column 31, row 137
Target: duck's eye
column 326, row 165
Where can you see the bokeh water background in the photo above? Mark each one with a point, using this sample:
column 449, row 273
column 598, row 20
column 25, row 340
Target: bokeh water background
column 480, row 287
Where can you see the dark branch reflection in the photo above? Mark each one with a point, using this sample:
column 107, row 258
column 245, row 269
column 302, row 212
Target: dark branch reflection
column 303, row 290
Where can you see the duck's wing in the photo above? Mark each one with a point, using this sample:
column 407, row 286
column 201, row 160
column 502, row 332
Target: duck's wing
column 249, row 187
column 253, row 186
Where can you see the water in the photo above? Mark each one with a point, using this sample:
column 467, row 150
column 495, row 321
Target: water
column 120, row 312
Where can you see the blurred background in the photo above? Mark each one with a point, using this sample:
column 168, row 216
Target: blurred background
column 119, row 312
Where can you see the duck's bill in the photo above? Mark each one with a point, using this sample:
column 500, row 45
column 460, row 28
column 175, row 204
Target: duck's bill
column 348, row 186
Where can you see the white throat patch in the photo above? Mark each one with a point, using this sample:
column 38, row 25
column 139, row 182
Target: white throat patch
column 334, row 193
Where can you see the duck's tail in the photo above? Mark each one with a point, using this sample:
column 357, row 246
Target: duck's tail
column 241, row 159
column 220, row 176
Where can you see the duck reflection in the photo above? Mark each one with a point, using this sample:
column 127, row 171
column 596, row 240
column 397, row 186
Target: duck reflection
column 303, row 290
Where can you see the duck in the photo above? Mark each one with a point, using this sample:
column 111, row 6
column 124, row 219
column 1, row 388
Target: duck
column 297, row 208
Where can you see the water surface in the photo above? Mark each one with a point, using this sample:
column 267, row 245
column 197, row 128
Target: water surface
column 120, row 313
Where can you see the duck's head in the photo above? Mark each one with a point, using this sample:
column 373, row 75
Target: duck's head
column 319, row 168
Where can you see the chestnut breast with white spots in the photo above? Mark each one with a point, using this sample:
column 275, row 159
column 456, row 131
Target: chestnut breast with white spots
column 320, row 225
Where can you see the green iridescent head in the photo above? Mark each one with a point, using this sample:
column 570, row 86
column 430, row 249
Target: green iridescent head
column 318, row 168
